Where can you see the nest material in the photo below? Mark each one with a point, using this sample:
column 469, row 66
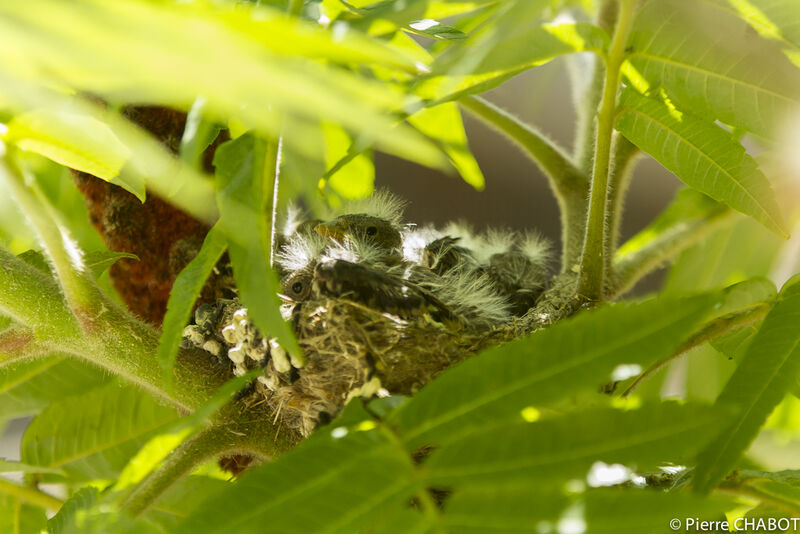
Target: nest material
column 351, row 351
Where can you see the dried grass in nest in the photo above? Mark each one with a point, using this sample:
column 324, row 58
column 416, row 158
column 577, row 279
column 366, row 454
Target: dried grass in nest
column 352, row 350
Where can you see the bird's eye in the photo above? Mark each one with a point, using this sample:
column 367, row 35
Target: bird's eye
column 297, row 287
column 372, row 230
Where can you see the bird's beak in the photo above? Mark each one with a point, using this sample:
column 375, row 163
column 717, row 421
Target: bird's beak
column 332, row 229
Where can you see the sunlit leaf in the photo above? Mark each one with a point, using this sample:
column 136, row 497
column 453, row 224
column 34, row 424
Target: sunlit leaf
column 245, row 63
column 76, row 141
column 443, row 124
column 489, row 58
column 730, row 74
column 768, row 370
column 355, row 178
column 701, row 154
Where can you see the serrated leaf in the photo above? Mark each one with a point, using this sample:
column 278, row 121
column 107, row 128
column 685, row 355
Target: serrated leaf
column 701, row 154
column 64, row 522
column 730, row 74
column 92, row 436
column 187, row 286
column 767, row 372
column 566, row 447
column 443, row 124
column 350, row 476
column 488, row 59
column 578, row 354
column 240, row 172
column 76, row 141
column 28, row 386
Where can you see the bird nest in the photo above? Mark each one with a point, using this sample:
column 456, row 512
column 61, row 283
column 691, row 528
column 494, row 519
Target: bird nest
column 351, row 351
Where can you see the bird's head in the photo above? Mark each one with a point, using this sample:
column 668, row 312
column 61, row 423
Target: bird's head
column 362, row 228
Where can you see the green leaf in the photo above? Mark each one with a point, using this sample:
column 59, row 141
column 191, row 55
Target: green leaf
column 342, row 479
column 19, row 518
column 187, row 286
column 773, row 19
column 436, row 30
column 76, row 141
column 98, row 261
column 28, row 386
column 687, row 207
column 489, row 58
column 730, row 74
column 443, row 124
column 182, row 500
column 250, row 59
column 607, row 510
column 198, row 134
column 767, row 372
column 351, row 173
column 701, row 154
column 92, row 436
column 566, row 447
column 578, row 354
column 65, row 521
column 240, row 172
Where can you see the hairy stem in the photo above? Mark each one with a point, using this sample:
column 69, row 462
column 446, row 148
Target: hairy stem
column 587, row 101
column 713, row 330
column 30, row 495
column 32, row 298
column 65, row 257
column 626, row 154
column 592, row 279
column 632, row 267
column 272, row 173
column 568, row 183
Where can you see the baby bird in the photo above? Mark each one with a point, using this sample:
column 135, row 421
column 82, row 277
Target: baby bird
column 373, row 223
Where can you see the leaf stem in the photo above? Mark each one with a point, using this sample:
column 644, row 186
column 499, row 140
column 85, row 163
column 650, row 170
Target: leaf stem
column 592, row 272
column 713, row 330
column 568, row 183
column 626, row 154
column 632, row 267
column 30, row 495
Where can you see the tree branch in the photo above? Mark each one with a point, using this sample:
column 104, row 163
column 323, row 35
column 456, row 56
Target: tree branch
column 592, row 273
column 568, row 183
